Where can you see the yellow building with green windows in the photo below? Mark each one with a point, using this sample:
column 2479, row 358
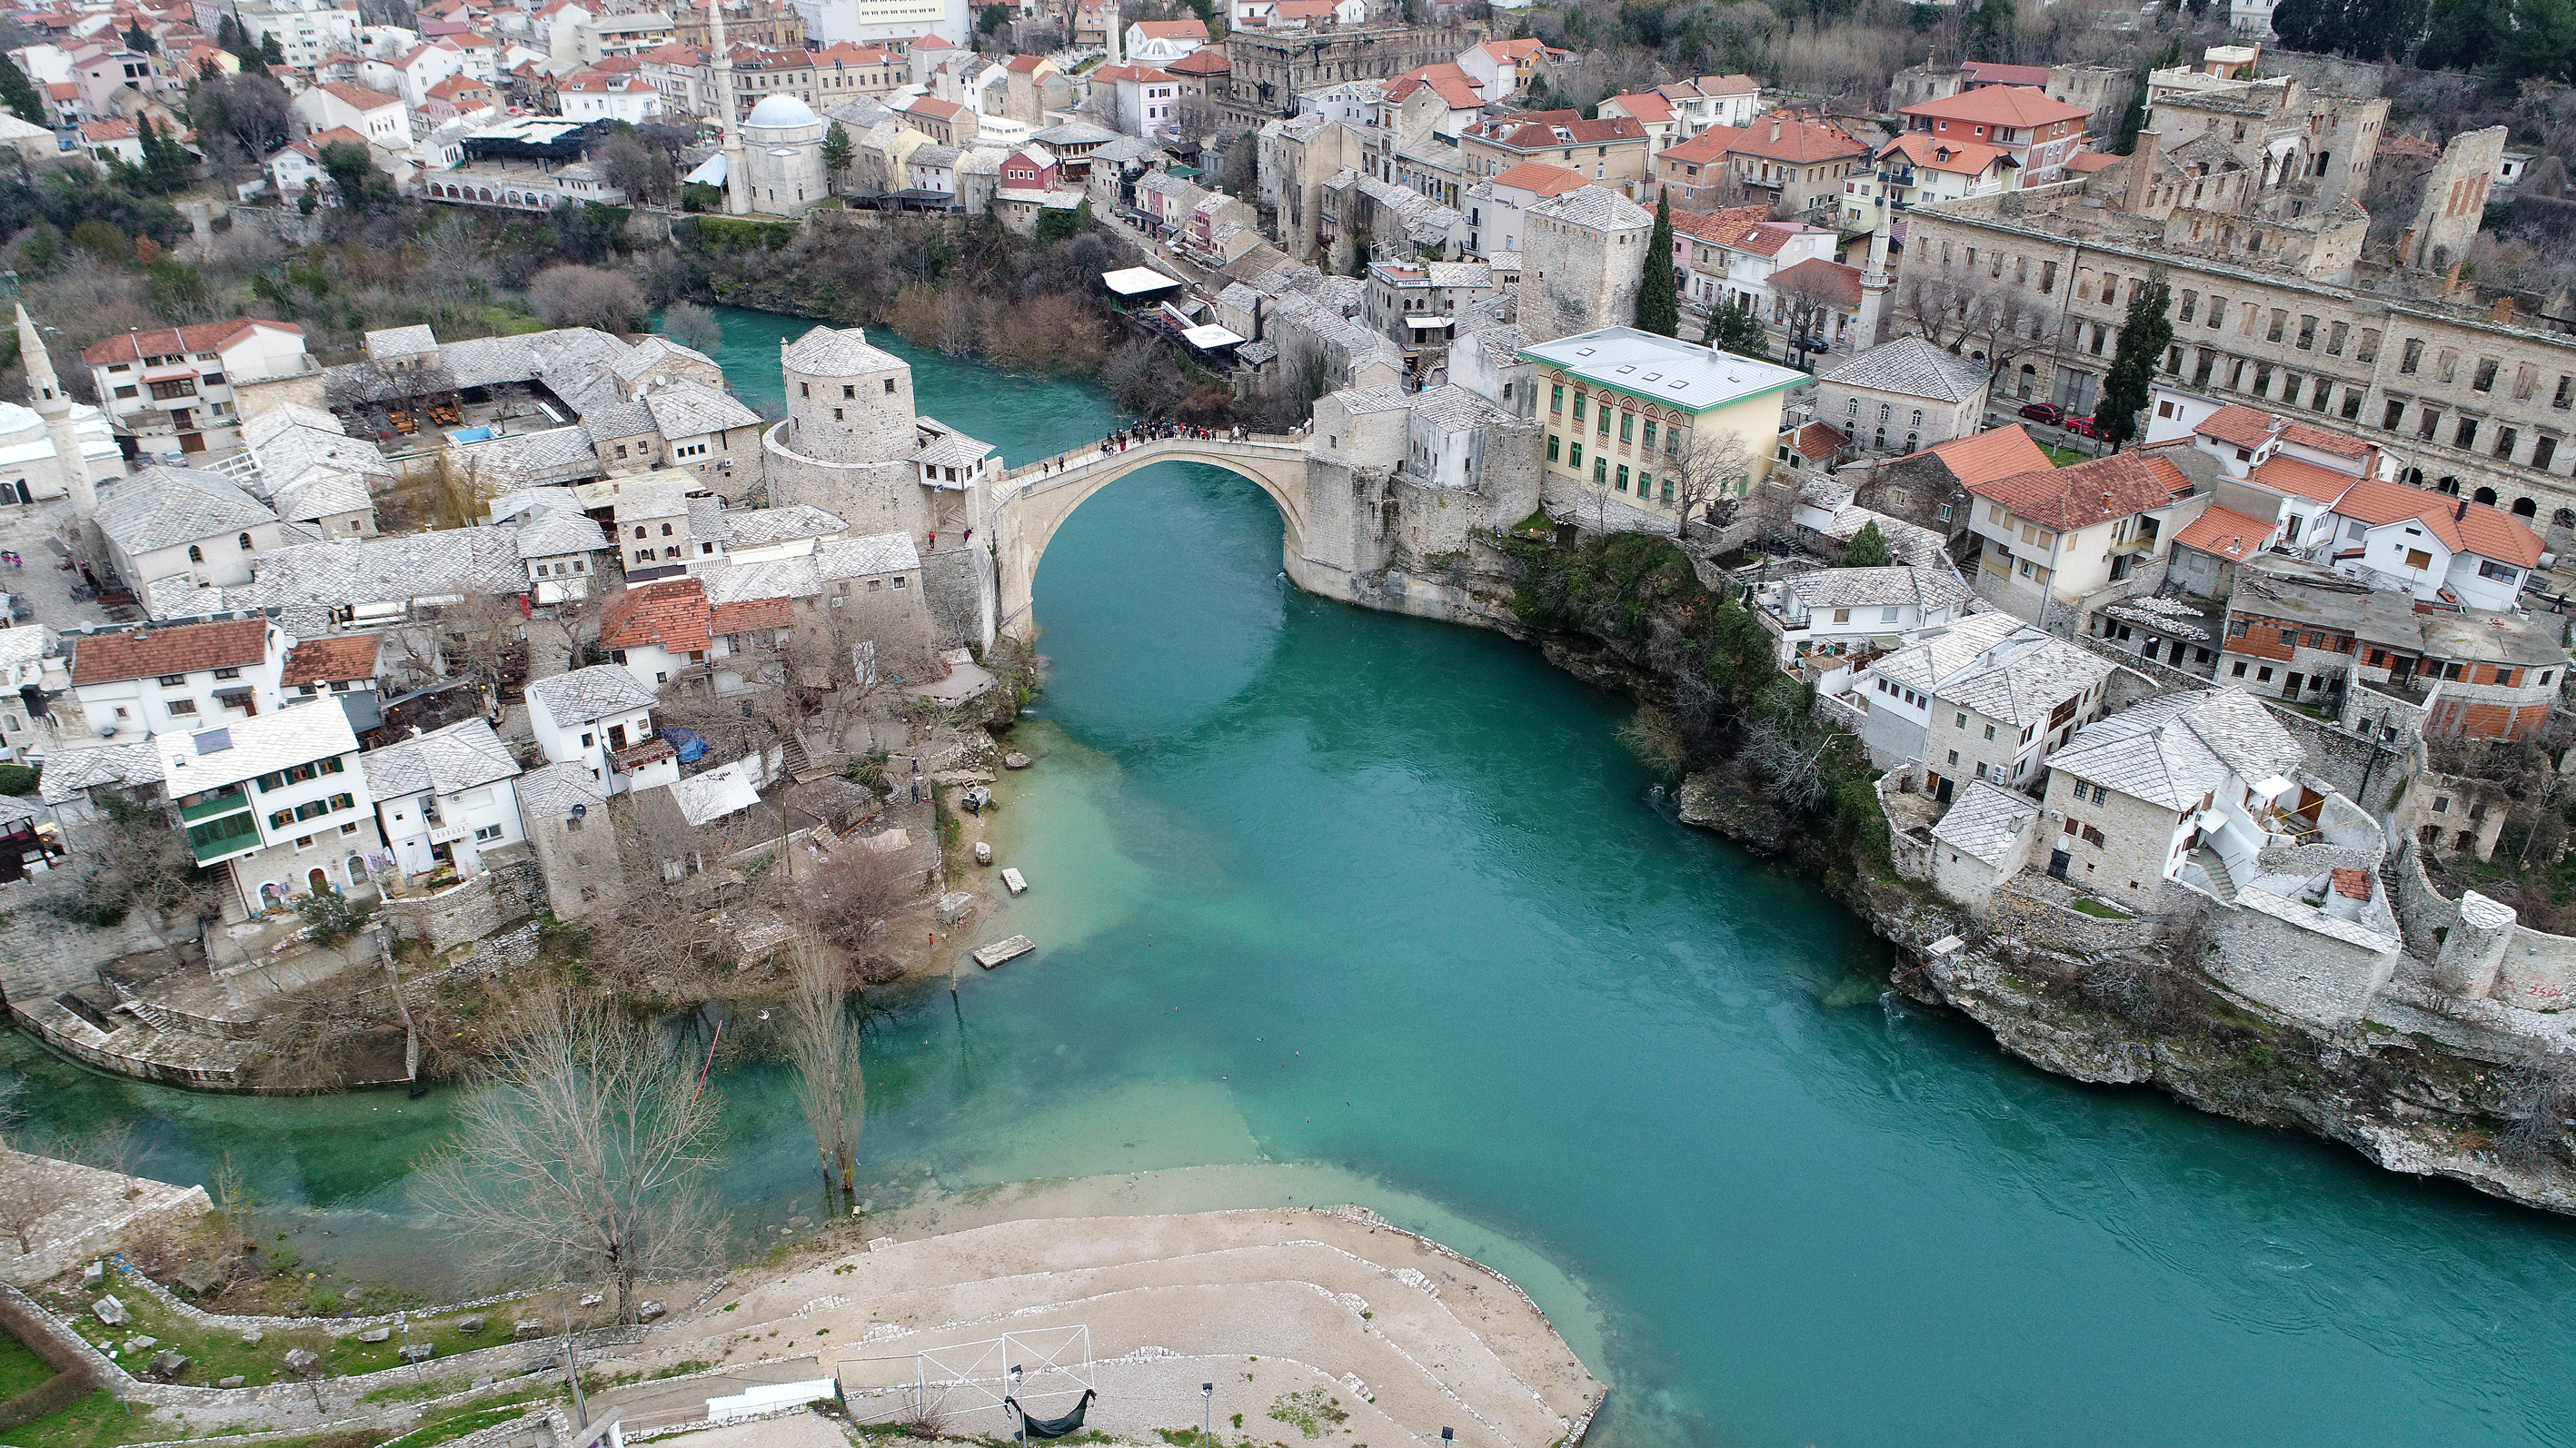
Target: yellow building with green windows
column 1647, row 421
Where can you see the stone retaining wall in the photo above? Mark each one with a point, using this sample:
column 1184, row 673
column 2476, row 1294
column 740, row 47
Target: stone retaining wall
column 466, row 911
column 2016, row 910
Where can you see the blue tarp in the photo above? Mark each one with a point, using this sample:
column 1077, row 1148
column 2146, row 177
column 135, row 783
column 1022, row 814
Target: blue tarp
column 691, row 748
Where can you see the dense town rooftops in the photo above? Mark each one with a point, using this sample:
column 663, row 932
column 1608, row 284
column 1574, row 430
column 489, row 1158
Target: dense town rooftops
column 2092, row 492
column 151, row 653
column 163, row 507
column 671, row 615
column 2226, row 533
column 464, row 755
column 2461, row 525
column 581, row 695
column 2251, row 427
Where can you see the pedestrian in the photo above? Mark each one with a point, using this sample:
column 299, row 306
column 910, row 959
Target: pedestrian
column 934, row 540
column 970, row 536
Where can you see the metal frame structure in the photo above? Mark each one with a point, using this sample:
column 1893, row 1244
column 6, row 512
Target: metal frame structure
column 1047, row 1369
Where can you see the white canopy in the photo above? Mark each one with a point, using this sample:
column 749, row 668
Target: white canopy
column 1137, row 280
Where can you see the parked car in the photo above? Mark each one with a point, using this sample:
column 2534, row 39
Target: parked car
column 2047, row 412
column 2080, row 426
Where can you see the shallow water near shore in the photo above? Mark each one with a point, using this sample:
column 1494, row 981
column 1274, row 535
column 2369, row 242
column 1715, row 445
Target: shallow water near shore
column 1334, row 905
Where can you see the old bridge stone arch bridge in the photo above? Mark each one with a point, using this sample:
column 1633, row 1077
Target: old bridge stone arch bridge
column 1316, row 545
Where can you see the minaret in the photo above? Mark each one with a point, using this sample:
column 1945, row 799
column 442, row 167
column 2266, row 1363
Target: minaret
column 46, row 392
column 737, row 181
column 1874, row 286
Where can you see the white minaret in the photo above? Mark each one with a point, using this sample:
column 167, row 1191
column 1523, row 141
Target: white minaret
column 1117, row 41
column 1874, row 286
column 737, row 176
column 45, row 391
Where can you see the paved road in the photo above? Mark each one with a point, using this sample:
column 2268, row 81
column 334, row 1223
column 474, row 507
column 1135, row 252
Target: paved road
column 27, row 529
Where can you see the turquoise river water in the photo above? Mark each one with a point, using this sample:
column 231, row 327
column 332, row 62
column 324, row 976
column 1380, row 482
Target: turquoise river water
column 1382, row 903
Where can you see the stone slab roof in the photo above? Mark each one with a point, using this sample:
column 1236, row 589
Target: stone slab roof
column 464, row 755
column 1912, row 367
column 554, row 532
column 1930, row 588
column 163, row 507
column 830, row 352
column 1986, row 822
column 2173, row 750
column 759, row 527
column 248, row 748
column 591, row 693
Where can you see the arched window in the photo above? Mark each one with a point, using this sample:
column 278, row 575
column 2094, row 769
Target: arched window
column 196, row 554
column 639, row 530
column 245, row 542
column 2486, row 496
column 1852, row 409
column 1912, row 440
column 1918, row 417
column 1882, row 440
column 1885, row 412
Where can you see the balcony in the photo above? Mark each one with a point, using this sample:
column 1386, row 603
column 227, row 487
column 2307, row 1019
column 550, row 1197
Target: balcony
column 219, row 802
column 223, row 838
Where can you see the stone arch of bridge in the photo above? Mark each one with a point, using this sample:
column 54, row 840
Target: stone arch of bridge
column 1034, row 501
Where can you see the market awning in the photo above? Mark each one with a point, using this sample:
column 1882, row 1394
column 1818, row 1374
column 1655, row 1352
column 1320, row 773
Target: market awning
column 1208, row 337
column 1137, row 281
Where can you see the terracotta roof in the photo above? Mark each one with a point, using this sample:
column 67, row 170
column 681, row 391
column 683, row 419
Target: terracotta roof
column 1995, row 72
column 1714, row 86
column 2250, row 427
column 1645, row 106
column 2463, row 526
column 107, row 658
column 359, row 96
column 1716, row 226
column 331, row 657
column 844, row 53
column 933, row 106
column 203, row 337
column 2225, row 533
column 2302, row 479
column 1705, row 149
column 1988, row 455
column 2085, row 163
column 1998, row 105
column 1129, row 73
column 1542, row 178
column 1795, row 140
column 454, row 86
column 2078, row 497
column 1837, row 283
column 1937, row 153
column 752, row 613
column 1537, row 130
column 672, row 614
column 932, row 42
column 1024, row 64
column 1815, row 442
column 110, row 130
column 1763, row 238
column 1445, row 78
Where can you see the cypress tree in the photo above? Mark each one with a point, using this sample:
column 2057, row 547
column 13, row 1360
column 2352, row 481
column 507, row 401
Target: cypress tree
column 1659, row 304
column 2143, row 339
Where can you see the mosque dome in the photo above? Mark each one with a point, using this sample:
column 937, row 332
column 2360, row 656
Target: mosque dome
column 782, row 112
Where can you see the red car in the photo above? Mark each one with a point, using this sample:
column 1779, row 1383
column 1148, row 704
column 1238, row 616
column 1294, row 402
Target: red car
column 2047, row 412
column 2080, row 426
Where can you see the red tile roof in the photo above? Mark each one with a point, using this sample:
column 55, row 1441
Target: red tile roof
column 1998, row 105
column 331, row 657
column 1645, row 106
column 933, row 106
column 752, row 613
column 1705, row 149
column 1446, row 78
column 107, row 658
column 2226, row 533
column 2088, row 493
column 359, row 96
column 1795, row 140
column 1540, row 177
column 2302, row 479
column 1986, row 456
column 1716, row 227
column 2463, row 526
column 2251, row 427
column 1965, row 158
column 1995, row 72
column 2085, row 163
column 1815, row 442
column 203, row 337
column 1028, row 64
column 671, row 614
column 1833, row 281
column 1202, row 62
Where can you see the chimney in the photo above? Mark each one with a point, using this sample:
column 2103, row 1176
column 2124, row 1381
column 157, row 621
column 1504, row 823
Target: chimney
column 1775, row 130
column 2406, row 247
column 2461, row 511
column 2451, row 280
column 2502, row 312
column 2142, row 170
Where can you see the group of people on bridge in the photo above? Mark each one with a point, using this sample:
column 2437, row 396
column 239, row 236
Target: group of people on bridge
column 1145, row 432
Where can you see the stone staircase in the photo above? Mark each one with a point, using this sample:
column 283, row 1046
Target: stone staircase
column 2221, row 883
column 150, row 1014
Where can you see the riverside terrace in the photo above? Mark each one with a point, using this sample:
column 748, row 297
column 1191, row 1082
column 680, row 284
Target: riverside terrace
column 562, row 406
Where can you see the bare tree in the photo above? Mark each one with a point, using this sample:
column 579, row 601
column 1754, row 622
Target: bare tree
column 28, row 1195
column 847, row 900
column 825, row 1051
column 1806, row 303
column 483, row 638
column 1972, row 312
column 584, row 1155
column 1715, row 465
column 570, row 295
column 692, row 326
column 113, row 1146
column 1196, row 117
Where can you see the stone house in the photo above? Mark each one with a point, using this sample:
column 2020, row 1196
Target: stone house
column 1985, row 698
column 152, row 681
column 600, row 719
column 1838, row 613
column 278, row 799
column 563, row 815
column 166, row 522
column 445, row 798
column 1585, row 254
column 1903, row 396
column 1984, row 840
column 1930, row 488
column 656, row 631
column 2055, row 540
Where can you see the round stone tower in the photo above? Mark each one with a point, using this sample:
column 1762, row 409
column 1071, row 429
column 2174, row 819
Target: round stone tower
column 847, row 402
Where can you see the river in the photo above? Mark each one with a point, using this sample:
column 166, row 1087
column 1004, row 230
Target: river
column 1383, row 904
